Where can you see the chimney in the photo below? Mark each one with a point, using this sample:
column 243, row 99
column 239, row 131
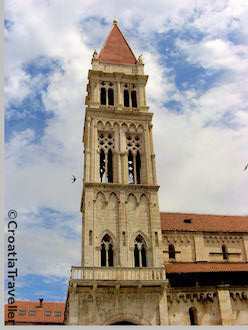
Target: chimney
column 41, row 301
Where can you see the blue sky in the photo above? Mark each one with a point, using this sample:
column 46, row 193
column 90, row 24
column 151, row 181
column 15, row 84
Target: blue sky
column 196, row 58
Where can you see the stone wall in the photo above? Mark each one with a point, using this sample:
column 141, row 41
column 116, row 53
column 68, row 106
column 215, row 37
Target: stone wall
column 156, row 305
column 196, row 246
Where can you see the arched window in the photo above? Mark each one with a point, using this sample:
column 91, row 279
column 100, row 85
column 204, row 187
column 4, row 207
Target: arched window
column 107, row 253
column 140, row 257
column 193, row 316
column 126, row 98
column 224, row 252
column 172, row 251
column 103, row 96
column 134, row 99
column 110, row 96
column 131, row 178
column 110, row 166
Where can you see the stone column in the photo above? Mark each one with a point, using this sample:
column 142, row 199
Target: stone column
column 119, row 96
column 147, row 158
column 163, row 307
column 152, row 156
column 225, row 305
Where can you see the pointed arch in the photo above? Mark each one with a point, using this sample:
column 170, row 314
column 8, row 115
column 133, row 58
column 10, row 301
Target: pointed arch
column 113, row 201
column 99, row 125
column 146, row 239
column 108, row 125
column 129, row 317
column 107, row 232
column 100, row 199
column 132, row 201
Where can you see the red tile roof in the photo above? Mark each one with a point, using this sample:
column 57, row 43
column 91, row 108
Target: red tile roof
column 116, row 49
column 199, row 267
column 39, row 316
column 203, row 222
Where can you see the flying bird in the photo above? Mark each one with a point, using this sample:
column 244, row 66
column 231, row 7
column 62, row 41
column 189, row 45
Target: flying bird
column 246, row 167
column 73, row 178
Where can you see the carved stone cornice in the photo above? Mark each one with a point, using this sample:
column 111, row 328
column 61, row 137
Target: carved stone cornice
column 122, row 187
column 112, row 112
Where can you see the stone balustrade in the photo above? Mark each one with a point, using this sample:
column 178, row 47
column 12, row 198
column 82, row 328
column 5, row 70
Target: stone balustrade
column 118, row 274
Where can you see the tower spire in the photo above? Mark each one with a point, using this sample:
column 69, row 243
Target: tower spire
column 116, row 49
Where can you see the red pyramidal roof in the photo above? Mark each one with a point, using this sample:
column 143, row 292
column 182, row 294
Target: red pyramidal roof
column 116, row 49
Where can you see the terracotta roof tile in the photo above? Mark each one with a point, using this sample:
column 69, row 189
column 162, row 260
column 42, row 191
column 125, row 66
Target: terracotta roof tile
column 189, row 267
column 40, row 315
column 116, row 49
column 203, row 222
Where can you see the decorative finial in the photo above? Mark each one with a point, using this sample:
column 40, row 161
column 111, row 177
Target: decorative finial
column 94, row 55
column 115, row 22
column 140, row 59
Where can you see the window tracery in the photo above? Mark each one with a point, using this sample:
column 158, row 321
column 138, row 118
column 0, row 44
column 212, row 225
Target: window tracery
column 107, row 253
column 105, row 148
column 107, row 93
column 130, row 96
column 134, row 158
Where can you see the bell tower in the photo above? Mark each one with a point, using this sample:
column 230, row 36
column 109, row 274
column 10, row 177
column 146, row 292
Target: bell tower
column 121, row 277
column 121, row 221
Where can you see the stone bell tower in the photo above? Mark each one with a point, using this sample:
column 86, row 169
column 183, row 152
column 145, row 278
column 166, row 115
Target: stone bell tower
column 121, row 234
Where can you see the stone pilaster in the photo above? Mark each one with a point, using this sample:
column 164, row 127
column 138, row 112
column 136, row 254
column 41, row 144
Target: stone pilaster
column 225, row 305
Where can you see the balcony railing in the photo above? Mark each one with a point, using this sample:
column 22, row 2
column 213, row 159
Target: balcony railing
column 118, row 274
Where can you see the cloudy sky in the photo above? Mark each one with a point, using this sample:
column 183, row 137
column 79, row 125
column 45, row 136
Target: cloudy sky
column 196, row 55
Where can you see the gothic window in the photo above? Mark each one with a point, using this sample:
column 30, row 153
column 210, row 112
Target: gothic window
column 140, row 258
column 106, row 146
column 110, row 96
column 107, row 254
column 134, row 159
column 107, row 93
column 224, row 252
column 193, row 316
column 103, row 96
column 130, row 96
column 172, row 251
column 126, row 98
column 134, row 99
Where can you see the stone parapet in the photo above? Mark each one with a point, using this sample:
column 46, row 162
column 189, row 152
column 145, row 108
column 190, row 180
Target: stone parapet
column 118, row 274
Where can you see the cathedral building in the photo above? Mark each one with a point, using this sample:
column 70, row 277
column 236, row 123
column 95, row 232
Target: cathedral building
column 139, row 265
